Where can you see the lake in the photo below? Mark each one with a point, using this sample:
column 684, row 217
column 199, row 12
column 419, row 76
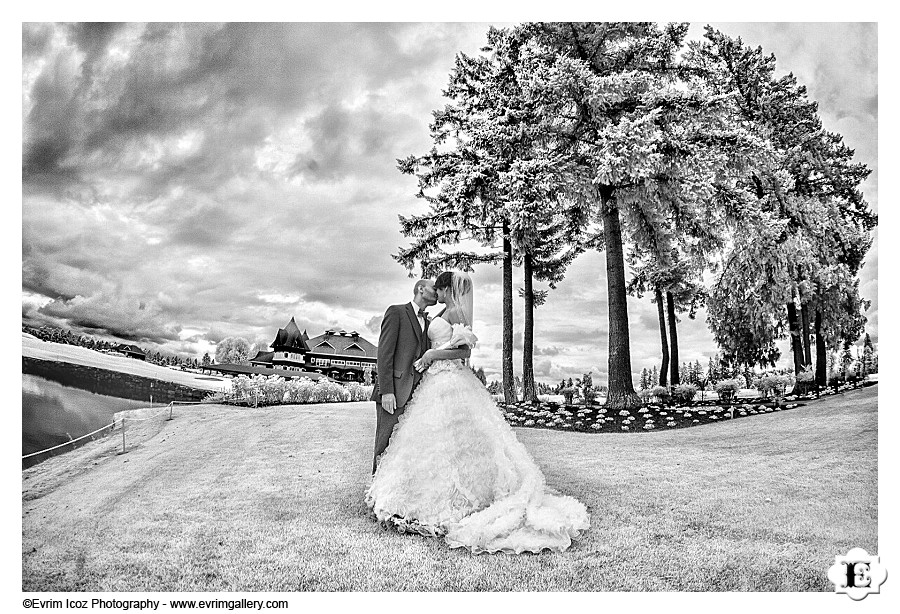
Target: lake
column 53, row 413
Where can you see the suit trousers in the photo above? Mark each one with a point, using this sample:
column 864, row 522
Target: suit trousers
column 384, row 427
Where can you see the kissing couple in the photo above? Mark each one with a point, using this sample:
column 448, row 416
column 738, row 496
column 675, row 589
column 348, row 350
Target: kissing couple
column 446, row 463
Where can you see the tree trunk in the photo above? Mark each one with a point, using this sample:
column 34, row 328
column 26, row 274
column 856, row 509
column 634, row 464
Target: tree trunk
column 821, row 354
column 796, row 342
column 661, row 310
column 621, row 393
column 805, row 387
column 509, row 384
column 673, row 338
column 804, row 323
column 529, row 391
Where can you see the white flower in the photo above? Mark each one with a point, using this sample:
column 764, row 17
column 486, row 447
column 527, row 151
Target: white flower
column 672, row 423
column 624, row 428
column 597, row 426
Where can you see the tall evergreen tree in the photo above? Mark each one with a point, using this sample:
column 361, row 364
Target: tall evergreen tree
column 496, row 176
column 807, row 183
column 637, row 144
column 868, row 356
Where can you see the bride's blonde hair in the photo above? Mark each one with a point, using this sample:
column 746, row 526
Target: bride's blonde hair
column 460, row 288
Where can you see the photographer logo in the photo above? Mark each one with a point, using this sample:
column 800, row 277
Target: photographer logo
column 857, row 574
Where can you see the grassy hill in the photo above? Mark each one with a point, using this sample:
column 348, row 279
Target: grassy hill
column 271, row 499
column 32, row 347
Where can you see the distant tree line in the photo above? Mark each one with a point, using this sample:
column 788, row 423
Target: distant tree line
column 841, row 367
column 61, row 335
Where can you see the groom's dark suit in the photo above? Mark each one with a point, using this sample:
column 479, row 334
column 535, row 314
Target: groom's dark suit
column 401, row 343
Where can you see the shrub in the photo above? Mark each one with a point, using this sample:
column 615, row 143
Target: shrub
column 660, row 392
column 568, row 394
column 589, row 393
column 272, row 390
column 326, row 391
column 275, row 390
column 359, row 392
column 685, row 392
column 728, row 388
column 214, row 397
column 300, row 390
column 644, row 394
column 242, row 390
column 806, row 376
column 772, row 384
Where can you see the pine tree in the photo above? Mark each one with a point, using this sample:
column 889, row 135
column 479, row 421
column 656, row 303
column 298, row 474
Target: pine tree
column 804, row 220
column 645, row 379
column 868, row 357
column 495, row 182
column 481, row 376
column 629, row 156
column 846, row 360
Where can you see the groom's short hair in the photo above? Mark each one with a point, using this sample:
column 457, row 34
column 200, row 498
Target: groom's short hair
column 418, row 285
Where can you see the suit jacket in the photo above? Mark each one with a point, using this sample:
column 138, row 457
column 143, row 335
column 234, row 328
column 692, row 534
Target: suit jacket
column 400, row 344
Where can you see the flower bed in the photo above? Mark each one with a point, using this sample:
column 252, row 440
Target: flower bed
column 651, row 416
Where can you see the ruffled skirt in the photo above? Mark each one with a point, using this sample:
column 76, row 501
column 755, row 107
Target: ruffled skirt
column 455, row 469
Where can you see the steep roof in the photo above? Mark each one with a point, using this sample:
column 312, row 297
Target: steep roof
column 342, row 343
column 290, row 337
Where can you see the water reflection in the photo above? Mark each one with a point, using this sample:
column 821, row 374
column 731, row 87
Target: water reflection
column 53, row 413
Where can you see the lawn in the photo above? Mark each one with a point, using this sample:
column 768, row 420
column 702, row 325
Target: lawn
column 271, row 499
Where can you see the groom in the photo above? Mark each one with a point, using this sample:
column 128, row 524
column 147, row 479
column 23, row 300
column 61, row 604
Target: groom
column 403, row 340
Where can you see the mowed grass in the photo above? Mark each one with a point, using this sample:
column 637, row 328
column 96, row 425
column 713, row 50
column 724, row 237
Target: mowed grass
column 271, row 499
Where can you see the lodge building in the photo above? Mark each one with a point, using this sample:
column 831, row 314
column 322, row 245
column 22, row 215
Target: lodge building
column 342, row 356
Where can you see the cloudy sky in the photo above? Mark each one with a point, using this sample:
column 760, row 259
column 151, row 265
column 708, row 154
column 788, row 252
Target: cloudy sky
column 185, row 183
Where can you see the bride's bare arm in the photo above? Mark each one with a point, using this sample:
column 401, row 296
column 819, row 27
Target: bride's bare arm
column 430, row 356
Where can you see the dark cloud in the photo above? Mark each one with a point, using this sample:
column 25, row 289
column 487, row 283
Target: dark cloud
column 36, row 39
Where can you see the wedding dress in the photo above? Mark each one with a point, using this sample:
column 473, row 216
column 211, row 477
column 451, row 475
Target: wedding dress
column 455, row 469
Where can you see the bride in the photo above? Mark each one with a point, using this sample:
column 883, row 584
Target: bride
column 454, row 467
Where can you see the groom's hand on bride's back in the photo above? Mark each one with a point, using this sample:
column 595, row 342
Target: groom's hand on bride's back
column 389, row 402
